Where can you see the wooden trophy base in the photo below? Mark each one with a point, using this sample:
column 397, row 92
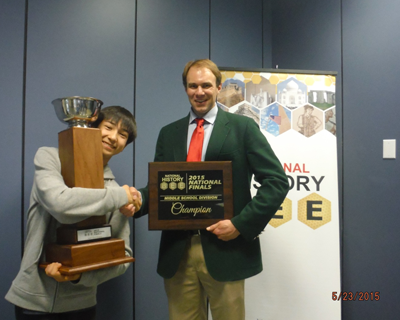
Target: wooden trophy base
column 78, row 258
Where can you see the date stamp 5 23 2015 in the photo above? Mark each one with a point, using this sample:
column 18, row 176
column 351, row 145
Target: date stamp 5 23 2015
column 354, row 296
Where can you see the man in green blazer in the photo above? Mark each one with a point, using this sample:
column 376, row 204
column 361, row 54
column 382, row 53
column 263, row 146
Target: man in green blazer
column 213, row 263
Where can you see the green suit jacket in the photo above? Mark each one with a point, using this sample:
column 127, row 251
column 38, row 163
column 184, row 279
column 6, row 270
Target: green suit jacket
column 238, row 139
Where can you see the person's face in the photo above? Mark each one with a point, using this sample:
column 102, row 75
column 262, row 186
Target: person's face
column 202, row 90
column 113, row 138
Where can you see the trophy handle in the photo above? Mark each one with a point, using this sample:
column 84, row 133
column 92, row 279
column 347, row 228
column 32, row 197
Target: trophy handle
column 93, row 119
column 99, row 104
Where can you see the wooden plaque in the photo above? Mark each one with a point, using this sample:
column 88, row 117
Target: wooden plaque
column 189, row 195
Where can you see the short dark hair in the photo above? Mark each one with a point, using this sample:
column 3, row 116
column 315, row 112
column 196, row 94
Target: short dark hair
column 117, row 114
column 203, row 63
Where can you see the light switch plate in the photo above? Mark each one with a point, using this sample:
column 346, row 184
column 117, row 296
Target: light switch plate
column 389, row 149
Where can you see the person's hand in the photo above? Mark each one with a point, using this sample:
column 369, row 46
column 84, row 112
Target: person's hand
column 224, row 230
column 135, row 202
column 52, row 271
column 137, row 198
column 128, row 210
column 128, row 193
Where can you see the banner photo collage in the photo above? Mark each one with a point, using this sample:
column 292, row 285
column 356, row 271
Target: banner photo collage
column 296, row 111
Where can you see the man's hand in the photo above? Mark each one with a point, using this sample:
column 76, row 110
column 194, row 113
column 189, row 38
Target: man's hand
column 224, row 230
column 52, row 271
column 134, row 202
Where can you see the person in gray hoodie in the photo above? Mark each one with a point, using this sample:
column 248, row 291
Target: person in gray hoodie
column 46, row 294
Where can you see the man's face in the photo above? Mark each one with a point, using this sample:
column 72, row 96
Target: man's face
column 201, row 89
column 113, row 138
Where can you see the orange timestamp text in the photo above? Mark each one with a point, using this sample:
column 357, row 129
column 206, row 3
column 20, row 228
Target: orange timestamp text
column 356, row 296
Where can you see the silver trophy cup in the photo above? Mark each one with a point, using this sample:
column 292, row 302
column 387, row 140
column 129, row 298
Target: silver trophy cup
column 77, row 111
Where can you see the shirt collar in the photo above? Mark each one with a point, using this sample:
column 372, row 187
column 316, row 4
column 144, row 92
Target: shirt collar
column 209, row 117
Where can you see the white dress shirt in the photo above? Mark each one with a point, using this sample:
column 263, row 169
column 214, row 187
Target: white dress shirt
column 208, row 128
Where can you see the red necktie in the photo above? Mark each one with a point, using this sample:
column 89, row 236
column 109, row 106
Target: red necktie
column 196, row 144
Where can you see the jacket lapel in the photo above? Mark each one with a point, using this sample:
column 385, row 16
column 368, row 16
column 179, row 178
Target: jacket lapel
column 218, row 136
column 180, row 139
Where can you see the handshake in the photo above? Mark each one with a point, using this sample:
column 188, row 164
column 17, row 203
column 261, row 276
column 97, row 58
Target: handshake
column 134, row 201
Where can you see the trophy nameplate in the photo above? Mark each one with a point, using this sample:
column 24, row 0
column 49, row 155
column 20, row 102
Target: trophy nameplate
column 189, row 195
column 86, row 245
column 74, row 235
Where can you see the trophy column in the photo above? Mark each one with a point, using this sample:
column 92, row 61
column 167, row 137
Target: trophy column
column 81, row 157
column 86, row 245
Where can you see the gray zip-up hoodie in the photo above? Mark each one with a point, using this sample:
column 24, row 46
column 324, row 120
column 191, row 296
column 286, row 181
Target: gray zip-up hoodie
column 51, row 204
